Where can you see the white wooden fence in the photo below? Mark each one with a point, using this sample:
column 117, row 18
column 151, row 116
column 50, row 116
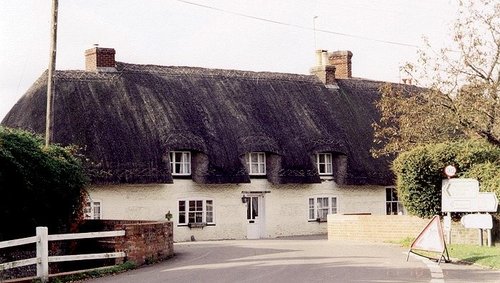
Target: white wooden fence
column 42, row 258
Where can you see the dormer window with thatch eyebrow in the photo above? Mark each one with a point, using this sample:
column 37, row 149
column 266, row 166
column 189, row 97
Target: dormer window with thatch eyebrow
column 180, row 163
column 324, row 163
column 256, row 163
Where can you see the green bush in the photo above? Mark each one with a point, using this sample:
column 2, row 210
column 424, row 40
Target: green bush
column 420, row 172
column 38, row 186
column 488, row 174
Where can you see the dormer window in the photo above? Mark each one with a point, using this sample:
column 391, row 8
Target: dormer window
column 256, row 163
column 180, row 163
column 324, row 163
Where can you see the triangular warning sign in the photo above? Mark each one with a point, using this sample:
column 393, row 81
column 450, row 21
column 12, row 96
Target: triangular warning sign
column 431, row 239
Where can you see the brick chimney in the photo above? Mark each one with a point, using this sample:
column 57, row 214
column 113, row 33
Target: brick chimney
column 332, row 65
column 342, row 62
column 99, row 59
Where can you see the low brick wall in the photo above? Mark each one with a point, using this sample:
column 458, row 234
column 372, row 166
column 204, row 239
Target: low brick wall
column 144, row 242
column 383, row 228
column 461, row 235
column 376, row 228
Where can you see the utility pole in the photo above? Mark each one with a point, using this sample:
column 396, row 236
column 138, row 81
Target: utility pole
column 51, row 70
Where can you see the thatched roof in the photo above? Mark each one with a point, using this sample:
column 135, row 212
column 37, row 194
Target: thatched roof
column 127, row 121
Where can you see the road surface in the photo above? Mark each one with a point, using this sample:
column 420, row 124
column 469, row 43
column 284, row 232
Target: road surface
column 302, row 259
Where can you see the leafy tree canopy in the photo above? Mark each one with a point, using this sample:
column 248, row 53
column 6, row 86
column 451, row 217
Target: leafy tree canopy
column 419, row 172
column 39, row 186
column 461, row 98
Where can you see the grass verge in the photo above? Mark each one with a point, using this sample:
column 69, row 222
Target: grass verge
column 484, row 256
column 95, row 273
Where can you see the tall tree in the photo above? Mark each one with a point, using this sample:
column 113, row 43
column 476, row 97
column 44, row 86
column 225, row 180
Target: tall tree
column 460, row 94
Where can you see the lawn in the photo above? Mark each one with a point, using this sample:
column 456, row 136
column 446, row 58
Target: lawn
column 484, row 256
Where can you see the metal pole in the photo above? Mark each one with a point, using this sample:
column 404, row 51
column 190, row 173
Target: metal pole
column 489, row 237
column 314, row 29
column 51, row 70
column 448, row 233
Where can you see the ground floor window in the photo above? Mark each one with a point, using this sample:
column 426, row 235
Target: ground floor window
column 320, row 207
column 392, row 204
column 92, row 210
column 196, row 211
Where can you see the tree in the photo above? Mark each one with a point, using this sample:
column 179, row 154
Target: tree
column 461, row 98
column 39, row 186
column 419, row 172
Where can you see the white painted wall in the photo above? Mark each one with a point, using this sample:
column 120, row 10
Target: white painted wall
column 286, row 205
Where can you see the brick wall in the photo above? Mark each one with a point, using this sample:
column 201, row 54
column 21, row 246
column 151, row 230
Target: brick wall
column 461, row 235
column 382, row 228
column 144, row 241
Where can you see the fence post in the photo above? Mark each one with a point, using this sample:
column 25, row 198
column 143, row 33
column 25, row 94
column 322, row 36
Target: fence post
column 42, row 254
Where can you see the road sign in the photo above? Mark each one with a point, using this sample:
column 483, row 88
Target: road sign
column 459, row 195
column 462, row 195
column 450, row 170
column 477, row 221
column 487, row 202
column 430, row 239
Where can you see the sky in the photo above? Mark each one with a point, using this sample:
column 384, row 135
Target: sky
column 254, row 35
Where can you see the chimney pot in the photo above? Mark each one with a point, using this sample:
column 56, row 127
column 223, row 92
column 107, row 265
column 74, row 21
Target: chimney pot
column 319, row 57
column 332, row 65
column 324, row 58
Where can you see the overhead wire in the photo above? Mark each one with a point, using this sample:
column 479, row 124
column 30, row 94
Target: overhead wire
column 297, row 26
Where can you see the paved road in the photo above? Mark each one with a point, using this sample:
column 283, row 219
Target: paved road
column 299, row 260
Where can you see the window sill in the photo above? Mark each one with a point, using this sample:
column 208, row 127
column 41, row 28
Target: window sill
column 181, row 176
column 196, row 225
column 318, row 220
column 264, row 176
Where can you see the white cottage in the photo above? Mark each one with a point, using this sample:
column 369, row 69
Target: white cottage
column 228, row 154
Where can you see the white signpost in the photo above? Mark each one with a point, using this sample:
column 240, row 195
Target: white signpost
column 462, row 195
column 477, row 221
column 487, row 202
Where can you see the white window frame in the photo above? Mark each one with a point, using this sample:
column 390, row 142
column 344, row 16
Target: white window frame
column 317, row 205
column 92, row 209
column 207, row 211
column 184, row 163
column 260, row 163
column 394, row 200
column 328, row 163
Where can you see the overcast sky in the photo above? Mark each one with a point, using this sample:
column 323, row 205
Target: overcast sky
column 256, row 35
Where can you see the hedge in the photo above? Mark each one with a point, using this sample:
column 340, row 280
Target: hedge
column 39, row 186
column 420, row 172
